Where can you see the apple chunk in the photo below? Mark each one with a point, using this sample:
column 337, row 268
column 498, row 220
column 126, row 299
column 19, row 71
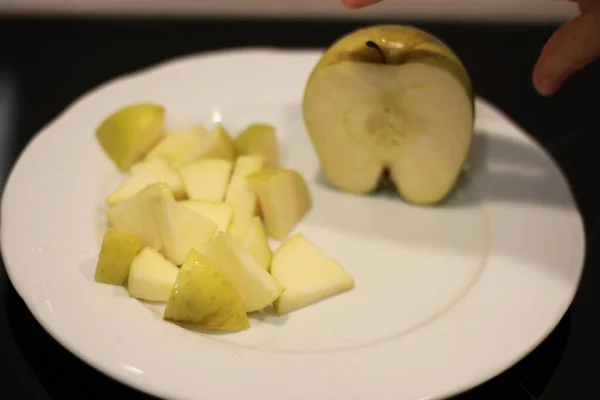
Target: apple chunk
column 390, row 98
column 182, row 146
column 207, row 179
column 204, row 297
column 257, row 288
column 253, row 237
column 116, row 255
column 239, row 194
column 284, row 199
column 151, row 276
column 259, row 139
column 144, row 173
column 126, row 135
column 218, row 212
column 307, row 274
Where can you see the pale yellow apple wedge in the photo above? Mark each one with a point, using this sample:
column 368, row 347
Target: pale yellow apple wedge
column 205, row 298
column 239, row 194
column 207, row 179
column 144, row 173
column 256, row 287
column 181, row 146
column 136, row 215
column 218, row 212
column 129, row 133
column 116, row 255
column 218, row 145
column 151, row 276
column 390, row 98
column 284, row 199
column 253, row 236
column 307, row 274
column 259, row 139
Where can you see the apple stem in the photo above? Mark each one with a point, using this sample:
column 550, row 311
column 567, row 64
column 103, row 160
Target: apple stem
column 374, row 45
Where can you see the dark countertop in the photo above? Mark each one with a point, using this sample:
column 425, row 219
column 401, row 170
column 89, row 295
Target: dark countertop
column 46, row 63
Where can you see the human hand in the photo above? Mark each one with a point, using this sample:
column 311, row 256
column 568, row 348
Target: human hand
column 572, row 47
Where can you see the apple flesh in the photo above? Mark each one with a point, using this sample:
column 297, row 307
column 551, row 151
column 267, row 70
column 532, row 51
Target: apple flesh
column 151, row 276
column 207, row 179
column 116, row 255
column 218, row 212
column 203, row 297
column 181, row 146
column 253, row 236
column 259, row 139
column 239, row 194
column 219, row 144
column 307, row 274
column 390, row 99
column 128, row 134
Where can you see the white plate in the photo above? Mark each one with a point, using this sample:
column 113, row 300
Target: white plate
column 445, row 297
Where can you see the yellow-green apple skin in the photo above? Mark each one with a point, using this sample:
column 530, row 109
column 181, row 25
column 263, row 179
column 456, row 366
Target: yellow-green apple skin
column 207, row 179
column 255, row 285
column 307, row 274
column 205, row 298
column 129, row 133
column 217, row 211
column 239, row 194
column 253, row 236
column 390, row 98
column 182, row 146
column 144, row 173
column 151, row 276
column 118, row 251
column 284, row 199
column 259, row 139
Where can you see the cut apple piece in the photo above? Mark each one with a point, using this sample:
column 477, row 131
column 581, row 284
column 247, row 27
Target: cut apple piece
column 239, row 194
column 203, row 297
column 390, row 98
column 256, row 287
column 126, row 135
column 116, row 255
column 259, row 139
column 218, row 212
column 151, row 276
column 136, row 215
column 284, row 199
column 219, row 145
column 144, row 173
column 182, row 146
column 307, row 274
column 207, row 179
column 253, row 237
column 182, row 230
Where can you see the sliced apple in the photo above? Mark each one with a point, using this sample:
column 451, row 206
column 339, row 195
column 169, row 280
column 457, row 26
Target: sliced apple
column 182, row 146
column 203, row 297
column 390, row 98
column 259, row 139
column 307, row 274
column 256, row 287
column 126, row 135
column 219, row 144
column 144, row 173
column 218, row 212
column 207, row 178
column 136, row 215
column 284, row 199
column 182, row 230
column 253, row 237
column 239, row 194
column 116, row 255
column 151, row 276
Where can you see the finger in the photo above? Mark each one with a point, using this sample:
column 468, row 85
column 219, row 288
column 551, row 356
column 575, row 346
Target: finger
column 359, row 3
column 572, row 47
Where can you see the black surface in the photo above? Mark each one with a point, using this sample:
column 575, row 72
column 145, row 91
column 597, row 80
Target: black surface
column 52, row 62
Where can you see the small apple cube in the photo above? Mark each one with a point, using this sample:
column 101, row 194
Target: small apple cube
column 136, row 215
column 151, row 276
column 253, row 237
column 218, row 145
column 116, row 255
column 284, row 199
column 259, row 139
column 126, row 135
column 307, row 274
column 239, row 194
column 182, row 146
column 256, row 287
column 205, row 298
column 207, row 179
column 218, row 212
column 144, row 173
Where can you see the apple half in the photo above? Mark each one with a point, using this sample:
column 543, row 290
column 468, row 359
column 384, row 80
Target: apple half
column 390, row 100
